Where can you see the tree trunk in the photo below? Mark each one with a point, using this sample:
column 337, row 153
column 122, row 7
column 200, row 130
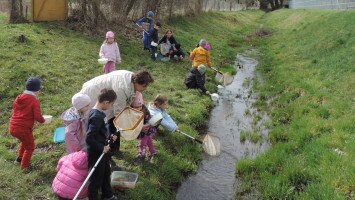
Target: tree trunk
column 129, row 7
column 16, row 15
column 171, row 9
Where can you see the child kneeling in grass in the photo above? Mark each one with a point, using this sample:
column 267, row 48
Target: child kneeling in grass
column 96, row 140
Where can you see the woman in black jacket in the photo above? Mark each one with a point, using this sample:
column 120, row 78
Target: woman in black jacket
column 168, row 43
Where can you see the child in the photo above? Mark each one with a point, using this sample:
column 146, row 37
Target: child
column 200, row 55
column 96, row 140
column 145, row 137
column 154, row 39
column 159, row 105
column 74, row 119
column 72, row 170
column 196, row 79
column 26, row 110
column 146, row 23
column 109, row 49
column 177, row 53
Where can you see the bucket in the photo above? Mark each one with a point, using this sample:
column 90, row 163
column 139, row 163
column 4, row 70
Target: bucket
column 102, row 61
column 123, row 179
column 214, row 97
column 47, row 118
column 156, row 119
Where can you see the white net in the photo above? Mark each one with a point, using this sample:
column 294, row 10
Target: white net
column 211, row 145
column 129, row 122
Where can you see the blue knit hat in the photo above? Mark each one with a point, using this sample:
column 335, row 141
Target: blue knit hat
column 150, row 14
column 33, row 84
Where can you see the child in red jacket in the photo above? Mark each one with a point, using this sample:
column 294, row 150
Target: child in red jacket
column 26, row 110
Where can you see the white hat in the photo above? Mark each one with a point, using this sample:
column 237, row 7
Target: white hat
column 79, row 100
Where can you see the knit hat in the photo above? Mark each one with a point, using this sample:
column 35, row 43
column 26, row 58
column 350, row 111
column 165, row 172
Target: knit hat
column 150, row 14
column 110, row 34
column 79, row 100
column 207, row 46
column 33, row 84
column 202, row 43
column 201, row 68
column 138, row 100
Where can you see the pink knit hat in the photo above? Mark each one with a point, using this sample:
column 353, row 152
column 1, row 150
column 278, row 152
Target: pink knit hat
column 207, row 46
column 79, row 100
column 138, row 100
column 110, row 34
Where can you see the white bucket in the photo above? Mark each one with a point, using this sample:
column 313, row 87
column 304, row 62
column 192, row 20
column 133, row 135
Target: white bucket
column 214, row 97
column 156, row 119
column 102, row 61
column 47, row 118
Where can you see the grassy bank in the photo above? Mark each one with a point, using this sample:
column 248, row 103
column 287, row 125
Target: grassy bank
column 308, row 66
column 65, row 59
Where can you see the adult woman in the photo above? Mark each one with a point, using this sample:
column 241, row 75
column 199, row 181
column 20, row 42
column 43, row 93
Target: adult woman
column 167, row 43
column 125, row 84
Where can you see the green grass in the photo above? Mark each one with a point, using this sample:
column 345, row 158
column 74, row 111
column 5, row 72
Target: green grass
column 309, row 74
column 65, row 59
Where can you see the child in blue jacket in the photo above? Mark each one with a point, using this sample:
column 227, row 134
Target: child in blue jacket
column 159, row 105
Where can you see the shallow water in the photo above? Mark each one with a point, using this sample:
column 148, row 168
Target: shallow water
column 215, row 178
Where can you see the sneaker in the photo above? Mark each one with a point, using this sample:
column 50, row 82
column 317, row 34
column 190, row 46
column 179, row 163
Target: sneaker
column 112, row 163
column 18, row 161
column 139, row 160
column 151, row 158
column 118, row 155
column 27, row 170
column 111, row 198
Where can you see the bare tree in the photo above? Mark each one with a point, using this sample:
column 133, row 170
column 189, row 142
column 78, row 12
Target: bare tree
column 16, row 13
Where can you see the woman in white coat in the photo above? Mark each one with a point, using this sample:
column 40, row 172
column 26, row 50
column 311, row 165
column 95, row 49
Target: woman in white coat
column 125, row 84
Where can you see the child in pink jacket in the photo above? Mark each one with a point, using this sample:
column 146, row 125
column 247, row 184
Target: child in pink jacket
column 109, row 49
column 75, row 120
column 72, row 170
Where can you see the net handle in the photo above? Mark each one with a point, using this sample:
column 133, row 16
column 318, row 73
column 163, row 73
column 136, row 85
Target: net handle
column 135, row 125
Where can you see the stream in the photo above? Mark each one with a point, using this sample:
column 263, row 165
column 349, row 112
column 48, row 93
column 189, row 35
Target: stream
column 233, row 113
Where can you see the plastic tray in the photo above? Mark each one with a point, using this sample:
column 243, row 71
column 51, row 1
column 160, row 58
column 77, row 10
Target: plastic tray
column 59, row 135
column 123, row 179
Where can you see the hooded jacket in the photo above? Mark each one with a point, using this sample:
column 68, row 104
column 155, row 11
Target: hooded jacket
column 75, row 130
column 72, row 170
column 120, row 81
column 200, row 56
column 26, row 110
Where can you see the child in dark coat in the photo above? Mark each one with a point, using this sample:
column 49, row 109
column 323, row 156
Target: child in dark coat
column 96, row 140
column 196, row 79
column 154, row 39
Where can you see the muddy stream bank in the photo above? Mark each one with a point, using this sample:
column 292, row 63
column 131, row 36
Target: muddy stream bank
column 233, row 114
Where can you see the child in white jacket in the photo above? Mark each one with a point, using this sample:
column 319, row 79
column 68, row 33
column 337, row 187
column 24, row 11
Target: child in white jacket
column 109, row 49
column 159, row 105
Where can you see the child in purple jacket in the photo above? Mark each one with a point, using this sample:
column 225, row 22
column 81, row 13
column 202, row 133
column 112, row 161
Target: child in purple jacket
column 148, row 131
column 75, row 120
